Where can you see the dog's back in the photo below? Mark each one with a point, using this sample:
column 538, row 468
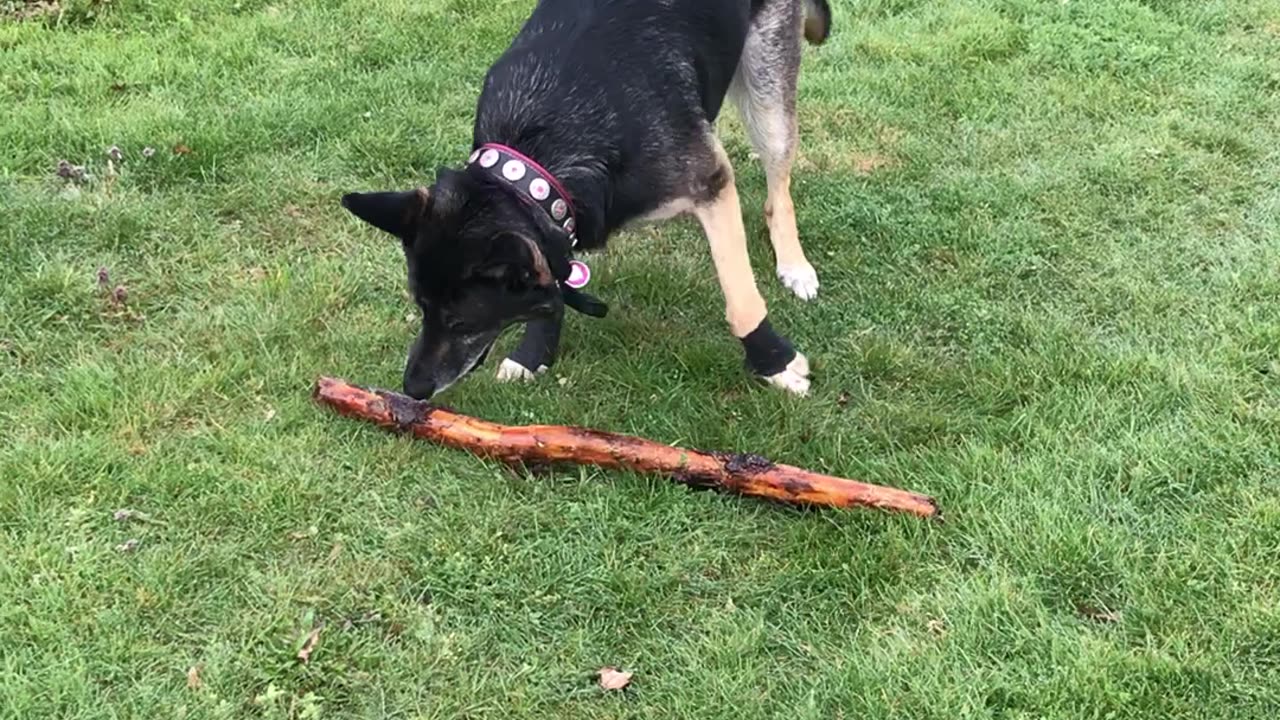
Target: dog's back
column 612, row 93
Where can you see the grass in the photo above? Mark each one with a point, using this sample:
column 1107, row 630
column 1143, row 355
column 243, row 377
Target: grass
column 1047, row 234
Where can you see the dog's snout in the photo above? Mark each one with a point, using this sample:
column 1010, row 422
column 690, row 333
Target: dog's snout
column 419, row 389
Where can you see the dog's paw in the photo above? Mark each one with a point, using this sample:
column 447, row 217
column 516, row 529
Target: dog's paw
column 800, row 279
column 512, row 371
column 795, row 378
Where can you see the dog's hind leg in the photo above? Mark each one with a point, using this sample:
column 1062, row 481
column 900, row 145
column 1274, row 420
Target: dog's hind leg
column 768, row 354
column 764, row 91
column 537, row 350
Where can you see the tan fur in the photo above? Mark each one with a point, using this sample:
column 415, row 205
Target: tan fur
column 666, row 211
column 721, row 220
column 541, row 270
column 781, row 215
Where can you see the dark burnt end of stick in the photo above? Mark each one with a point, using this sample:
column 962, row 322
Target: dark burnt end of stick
column 743, row 463
column 405, row 411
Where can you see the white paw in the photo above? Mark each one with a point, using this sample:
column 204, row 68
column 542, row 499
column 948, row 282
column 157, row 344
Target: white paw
column 800, row 279
column 512, row 371
column 795, row 378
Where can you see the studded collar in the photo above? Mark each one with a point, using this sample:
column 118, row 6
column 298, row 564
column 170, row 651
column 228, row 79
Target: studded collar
column 530, row 181
column 533, row 185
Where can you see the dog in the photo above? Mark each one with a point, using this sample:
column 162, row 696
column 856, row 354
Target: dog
column 601, row 113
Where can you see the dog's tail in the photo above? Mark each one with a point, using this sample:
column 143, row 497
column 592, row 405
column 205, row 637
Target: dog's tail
column 817, row 21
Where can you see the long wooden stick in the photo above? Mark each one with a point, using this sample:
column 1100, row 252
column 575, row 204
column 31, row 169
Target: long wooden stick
column 741, row 473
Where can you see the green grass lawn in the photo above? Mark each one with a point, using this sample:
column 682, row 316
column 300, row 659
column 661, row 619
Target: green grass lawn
column 1048, row 233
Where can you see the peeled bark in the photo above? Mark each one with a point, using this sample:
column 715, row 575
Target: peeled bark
column 534, row 445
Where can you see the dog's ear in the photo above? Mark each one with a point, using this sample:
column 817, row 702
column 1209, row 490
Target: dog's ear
column 397, row 213
column 509, row 256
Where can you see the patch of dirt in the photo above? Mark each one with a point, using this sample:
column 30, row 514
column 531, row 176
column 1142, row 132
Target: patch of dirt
column 61, row 12
column 29, row 9
column 869, row 162
column 840, row 139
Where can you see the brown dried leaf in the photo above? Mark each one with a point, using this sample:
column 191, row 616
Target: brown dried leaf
column 309, row 645
column 293, row 211
column 937, row 626
column 612, row 678
column 1098, row 613
column 193, row 677
column 181, row 149
column 310, row 532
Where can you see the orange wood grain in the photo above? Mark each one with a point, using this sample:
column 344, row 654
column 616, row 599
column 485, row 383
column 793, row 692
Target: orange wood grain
column 740, row 473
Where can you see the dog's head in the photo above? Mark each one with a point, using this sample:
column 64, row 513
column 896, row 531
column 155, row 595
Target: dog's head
column 476, row 266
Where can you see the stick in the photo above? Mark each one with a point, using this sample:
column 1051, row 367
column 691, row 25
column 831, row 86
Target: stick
column 741, row 473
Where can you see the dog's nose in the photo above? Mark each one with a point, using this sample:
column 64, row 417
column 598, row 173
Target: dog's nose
column 419, row 389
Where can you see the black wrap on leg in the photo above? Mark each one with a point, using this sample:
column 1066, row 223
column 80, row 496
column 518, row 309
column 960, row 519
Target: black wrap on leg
column 768, row 353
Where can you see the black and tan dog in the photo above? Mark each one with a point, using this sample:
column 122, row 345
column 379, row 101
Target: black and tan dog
column 602, row 112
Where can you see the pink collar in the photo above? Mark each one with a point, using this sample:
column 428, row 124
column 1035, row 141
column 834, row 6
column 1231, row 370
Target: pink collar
column 530, row 181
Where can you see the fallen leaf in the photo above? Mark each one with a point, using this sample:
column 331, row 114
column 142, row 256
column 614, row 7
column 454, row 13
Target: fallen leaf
column 292, row 211
column 68, row 171
column 257, row 273
column 1098, row 614
column 129, row 545
column 335, row 552
column 119, row 87
column 131, row 515
column 937, row 627
column 304, row 534
column 309, row 645
column 193, row 677
column 612, row 678
column 364, row 619
column 181, row 149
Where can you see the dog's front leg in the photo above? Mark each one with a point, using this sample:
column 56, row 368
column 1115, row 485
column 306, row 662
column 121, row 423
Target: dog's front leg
column 768, row 354
column 537, row 350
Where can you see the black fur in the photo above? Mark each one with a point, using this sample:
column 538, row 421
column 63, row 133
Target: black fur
column 767, row 352
column 616, row 99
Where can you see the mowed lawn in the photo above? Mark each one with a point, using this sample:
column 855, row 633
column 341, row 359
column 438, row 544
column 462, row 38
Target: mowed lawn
column 1048, row 233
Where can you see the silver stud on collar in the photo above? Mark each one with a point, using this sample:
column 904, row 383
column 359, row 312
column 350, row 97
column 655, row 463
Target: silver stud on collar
column 540, row 189
column 513, row 170
column 559, row 208
column 489, row 158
